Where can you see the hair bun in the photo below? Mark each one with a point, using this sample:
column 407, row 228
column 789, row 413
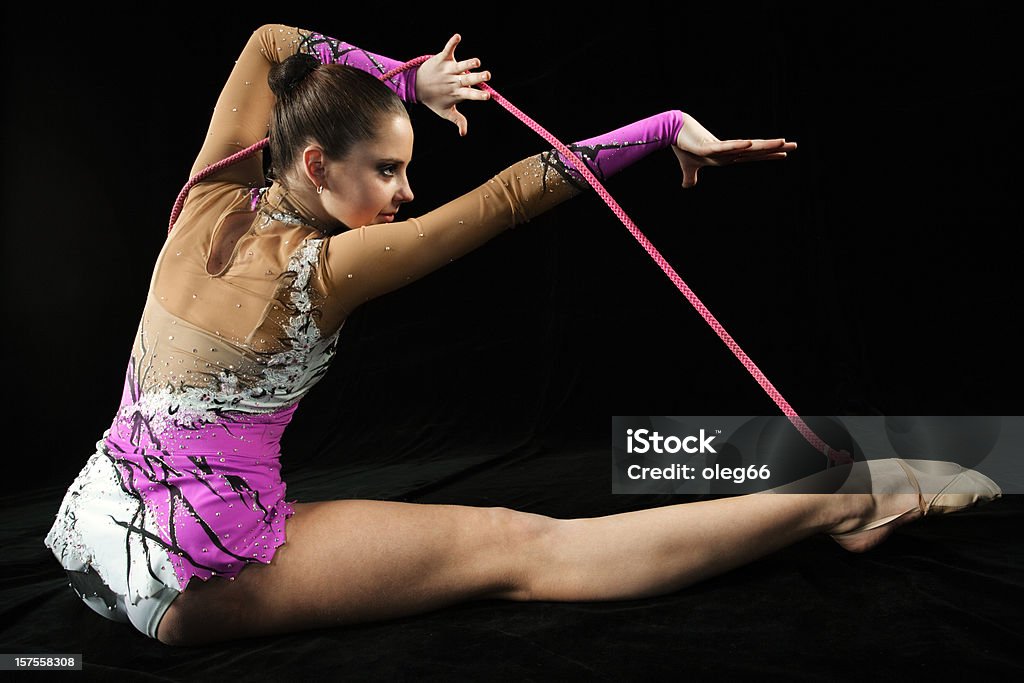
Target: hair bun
column 285, row 76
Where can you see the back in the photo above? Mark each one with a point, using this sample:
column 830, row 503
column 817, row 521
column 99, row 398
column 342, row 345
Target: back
column 256, row 334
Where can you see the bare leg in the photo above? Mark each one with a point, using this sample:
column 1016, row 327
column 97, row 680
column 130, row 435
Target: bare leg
column 659, row 550
column 357, row 560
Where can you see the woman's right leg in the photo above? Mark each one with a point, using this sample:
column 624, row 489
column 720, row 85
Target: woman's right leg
column 352, row 561
column 349, row 561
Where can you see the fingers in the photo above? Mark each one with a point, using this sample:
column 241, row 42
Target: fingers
column 467, row 80
column 462, row 71
column 449, row 49
column 729, row 145
column 690, row 177
column 760, row 157
column 774, row 143
column 754, row 146
column 467, row 64
column 474, row 94
column 758, row 143
column 459, row 120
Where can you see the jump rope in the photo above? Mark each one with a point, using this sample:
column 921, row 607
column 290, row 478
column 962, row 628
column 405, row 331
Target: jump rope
column 836, row 457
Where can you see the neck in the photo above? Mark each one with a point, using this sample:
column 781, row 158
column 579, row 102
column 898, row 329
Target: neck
column 304, row 204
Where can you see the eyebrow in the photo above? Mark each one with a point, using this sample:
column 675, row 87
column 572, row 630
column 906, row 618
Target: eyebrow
column 390, row 161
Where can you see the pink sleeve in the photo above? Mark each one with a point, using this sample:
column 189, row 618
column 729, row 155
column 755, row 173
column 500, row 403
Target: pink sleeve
column 333, row 51
column 611, row 152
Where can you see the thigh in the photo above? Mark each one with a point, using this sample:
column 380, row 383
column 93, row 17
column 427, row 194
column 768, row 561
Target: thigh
column 349, row 561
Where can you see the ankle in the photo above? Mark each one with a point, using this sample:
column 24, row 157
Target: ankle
column 843, row 512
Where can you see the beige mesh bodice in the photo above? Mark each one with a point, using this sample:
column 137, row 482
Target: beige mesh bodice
column 257, row 334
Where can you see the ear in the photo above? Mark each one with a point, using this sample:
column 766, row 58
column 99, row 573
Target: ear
column 313, row 164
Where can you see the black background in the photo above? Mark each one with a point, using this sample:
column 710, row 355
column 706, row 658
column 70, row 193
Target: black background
column 874, row 271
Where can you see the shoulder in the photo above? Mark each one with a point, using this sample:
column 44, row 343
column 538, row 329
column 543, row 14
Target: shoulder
column 207, row 202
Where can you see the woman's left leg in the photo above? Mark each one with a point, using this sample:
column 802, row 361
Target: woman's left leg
column 658, row 550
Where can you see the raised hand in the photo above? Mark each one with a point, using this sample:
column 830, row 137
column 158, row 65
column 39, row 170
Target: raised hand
column 442, row 82
column 696, row 147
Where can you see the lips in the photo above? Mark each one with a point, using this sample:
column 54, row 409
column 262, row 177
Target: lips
column 388, row 217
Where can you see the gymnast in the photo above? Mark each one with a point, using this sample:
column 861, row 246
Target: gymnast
column 245, row 306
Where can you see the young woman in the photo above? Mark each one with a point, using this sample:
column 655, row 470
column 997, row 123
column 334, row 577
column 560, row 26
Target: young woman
column 245, row 306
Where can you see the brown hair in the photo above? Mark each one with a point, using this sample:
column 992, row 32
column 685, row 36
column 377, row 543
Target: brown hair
column 333, row 105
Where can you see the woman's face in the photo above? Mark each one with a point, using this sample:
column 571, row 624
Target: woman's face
column 372, row 182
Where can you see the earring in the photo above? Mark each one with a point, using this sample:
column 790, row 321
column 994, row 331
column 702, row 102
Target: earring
column 319, row 189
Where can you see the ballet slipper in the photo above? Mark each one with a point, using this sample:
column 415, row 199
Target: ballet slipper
column 941, row 487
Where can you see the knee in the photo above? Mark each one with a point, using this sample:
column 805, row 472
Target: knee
column 525, row 537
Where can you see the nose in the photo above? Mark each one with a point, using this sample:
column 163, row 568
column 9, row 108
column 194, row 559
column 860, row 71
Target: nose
column 405, row 193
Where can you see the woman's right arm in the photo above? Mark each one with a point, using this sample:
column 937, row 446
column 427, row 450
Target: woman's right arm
column 369, row 261
column 242, row 115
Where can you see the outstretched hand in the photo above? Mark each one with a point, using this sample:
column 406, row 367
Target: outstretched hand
column 442, row 82
column 696, row 147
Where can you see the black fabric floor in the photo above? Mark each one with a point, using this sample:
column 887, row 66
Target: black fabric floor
column 938, row 600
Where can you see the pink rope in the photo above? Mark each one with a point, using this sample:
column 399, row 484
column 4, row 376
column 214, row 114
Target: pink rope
column 836, row 457
column 213, row 168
